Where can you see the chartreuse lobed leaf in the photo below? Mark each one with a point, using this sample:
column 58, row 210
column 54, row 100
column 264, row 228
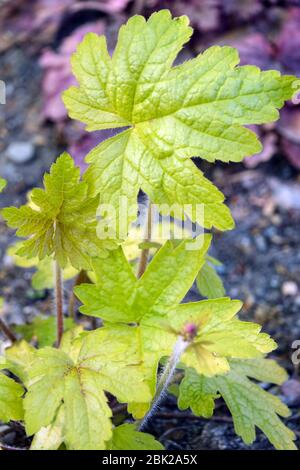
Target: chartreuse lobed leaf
column 126, row 437
column 43, row 276
column 209, row 282
column 77, row 376
column 119, row 298
column 62, row 220
column 50, row 437
column 249, row 404
column 19, row 357
column 198, row 108
column 150, row 307
column 11, row 403
column 220, row 335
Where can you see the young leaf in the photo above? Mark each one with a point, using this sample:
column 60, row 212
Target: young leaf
column 101, row 361
column 43, row 329
column 198, row 108
column 248, row 403
column 63, row 220
column 126, row 437
column 220, row 335
column 209, row 283
column 11, row 403
column 118, row 297
column 50, row 437
column 19, row 358
column 151, row 304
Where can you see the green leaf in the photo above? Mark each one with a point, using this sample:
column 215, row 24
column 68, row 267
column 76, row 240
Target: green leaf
column 119, row 298
column 19, row 357
column 209, row 283
column 62, row 220
column 220, row 335
column 42, row 329
column 3, row 184
column 50, row 437
column 197, row 108
column 126, row 437
column 151, row 307
column 213, row 261
column 195, row 394
column 11, row 402
column 248, row 403
column 104, row 361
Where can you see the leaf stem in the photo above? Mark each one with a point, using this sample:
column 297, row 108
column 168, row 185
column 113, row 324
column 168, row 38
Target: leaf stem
column 81, row 277
column 58, row 301
column 165, row 378
column 147, row 238
column 7, row 331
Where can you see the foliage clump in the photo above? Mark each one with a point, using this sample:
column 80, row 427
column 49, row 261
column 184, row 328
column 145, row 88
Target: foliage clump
column 171, row 113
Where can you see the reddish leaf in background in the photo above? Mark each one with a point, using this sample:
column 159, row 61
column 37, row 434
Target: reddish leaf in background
column 269, row 141
column 84, row 141
column 207, row 15
column 288, row 43
column 204, row 14
column 58, row 76
column 265, row 49
column 283, row 55
column 255, row 49
column 242, row 9
column 20, row 19
column 289, row 129
column 107, row 6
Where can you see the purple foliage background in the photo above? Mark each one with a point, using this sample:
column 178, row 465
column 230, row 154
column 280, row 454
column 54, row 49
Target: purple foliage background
column 266, row 33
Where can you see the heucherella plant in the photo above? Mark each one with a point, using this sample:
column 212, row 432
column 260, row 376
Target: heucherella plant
column 72, row 384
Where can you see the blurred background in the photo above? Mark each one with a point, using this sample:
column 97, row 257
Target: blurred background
column 261, row 257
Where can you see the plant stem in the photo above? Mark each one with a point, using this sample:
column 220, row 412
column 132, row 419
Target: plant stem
column 145, row 251
column 7, row 331
column 81, row 277
column 165, row 378
column 58, row 302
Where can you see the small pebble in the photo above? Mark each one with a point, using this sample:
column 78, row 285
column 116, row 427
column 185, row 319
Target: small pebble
column 20, row 152
column 291, row 390
column 260, row 243
column 274, row 282
column 289, row 288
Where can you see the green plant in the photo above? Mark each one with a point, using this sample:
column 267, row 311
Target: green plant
column 172, row 113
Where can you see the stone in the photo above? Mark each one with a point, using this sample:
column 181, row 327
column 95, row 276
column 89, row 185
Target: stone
column 289, row 288
column 20, row 152
column 291, row 391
